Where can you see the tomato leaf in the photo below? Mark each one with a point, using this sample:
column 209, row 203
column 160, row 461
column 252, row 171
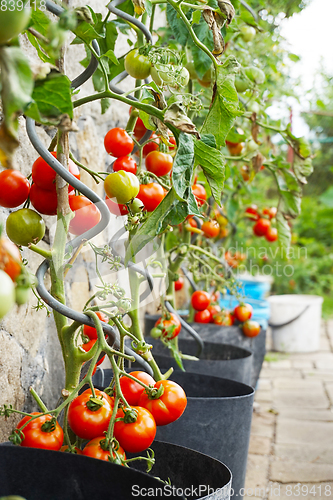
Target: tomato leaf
column 302, row 169
column 300, row 144
column 224, row 108
column 212, row 162
column 39, row 21
column 177, row 26
column 85, row 32
column 284, row 232
column 183, row 166
column 202, row 62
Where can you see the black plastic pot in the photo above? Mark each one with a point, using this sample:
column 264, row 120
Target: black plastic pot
column 231, row 335
column 217, row 420
column 218, row 360
column 47, row 475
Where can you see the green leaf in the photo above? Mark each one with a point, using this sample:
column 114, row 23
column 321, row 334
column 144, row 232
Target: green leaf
column 209, row 139
column 177, row 26
column 111, row 55
column 127, row 7
column 287, row 181
column 294, row 57
column 235, row 137
column 105, row 104
column 202, row 62
column 290, row 203
column 39, row 21
column 302, row 169
column 111, row 35
column 224, row 108
column 247, row 17
column 327, row 197
column 85, row 32
column 284, row 232
column 196, row 16
column 43, row 56
column 149, row 7
column 183, row 166
column 300, row 144
column 212, row 162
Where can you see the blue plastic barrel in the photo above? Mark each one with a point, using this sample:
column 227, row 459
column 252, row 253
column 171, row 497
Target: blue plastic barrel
column 252, row 288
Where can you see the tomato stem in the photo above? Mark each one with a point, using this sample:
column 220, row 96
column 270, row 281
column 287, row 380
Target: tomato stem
column 38, row 400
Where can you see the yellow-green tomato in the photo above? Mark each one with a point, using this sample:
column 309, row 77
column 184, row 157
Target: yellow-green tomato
column 191, row 69
column 25, row 226
column 7, row 293
column 155, row 76
column 14, row 17
column 183, row 77
column 247, row 33
column 255, row 74
column 137, row 65
column 124, row 186
column 241, row 84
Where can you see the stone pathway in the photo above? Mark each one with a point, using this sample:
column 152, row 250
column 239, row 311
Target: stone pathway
column 291, row 447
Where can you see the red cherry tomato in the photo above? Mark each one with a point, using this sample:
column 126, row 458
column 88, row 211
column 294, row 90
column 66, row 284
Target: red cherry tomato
column 224, row 318
column 214, row 310
column 94, row 449
column 243, row 312
column 271, row 212
column 88, row 419
column 139, row 129
column 86, row 215
column 14, row 190
column 252, row 212
column 179, row 284
column 272, row 234
column 10, row 258
column 45, row 202
column 169, row 406
column 171, row 326
column 132, row 390
column 151, row 195
column 159, row 163
column 89, row 345
column 251, row 328
column 90, row 331
column 153, row 145
column 200, row 300
column 45, row 177
column 192, row 222
column 211, row 228
column 38, row 435
column 115, row 208
column 118, row 143
column 135, row 436
column 261, row 227
column 199, row 193
column 203, row 316
column 125, row 163
column 172, row 141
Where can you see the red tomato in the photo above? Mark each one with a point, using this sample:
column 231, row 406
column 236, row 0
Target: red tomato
column 245, row 173
column 125, row 163
column 211, row 228
column 36, row 434
column 199, row 193
column 135, row 436
column 235, row 148
column 94, row 449
column 159, row 163
column 45, row 177
column 171, row 326
column 200, row 300
column 151, row 195
column 271, row 212
column 132, row 390
column 261, row 227
column 252, row 212
column 172, row 140
column 169, row 406
column 243, row 312
column 251, row 328
column 192, row 222
column 45, row 202
column 118, row 143
column 153, row 145
column 179, row 284
column 203, row 316
column 214, row 310
column 14, row 188
column 89, row 345
column 10, row 258
column 90, row 331
column 86, row 215
column 272, row 234
column 224, row 318
column 87, row 419
column 115, row 208
column 139, row 129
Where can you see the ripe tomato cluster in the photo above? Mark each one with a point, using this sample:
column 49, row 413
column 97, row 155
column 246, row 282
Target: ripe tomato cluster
column 168, row 327
column 243, row 314
column 262, row 222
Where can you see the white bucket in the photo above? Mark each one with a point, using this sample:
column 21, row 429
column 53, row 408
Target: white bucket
column 295, row 322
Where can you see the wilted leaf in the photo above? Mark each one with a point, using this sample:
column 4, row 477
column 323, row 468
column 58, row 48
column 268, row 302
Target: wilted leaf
column 257, row 161
column 212, row 162
column 183, row 166
column 300, row 145
column 215, row 24
column 8, row 144
column 227, row 9
column 175, row 115
column 303, row 169
column 284, row 232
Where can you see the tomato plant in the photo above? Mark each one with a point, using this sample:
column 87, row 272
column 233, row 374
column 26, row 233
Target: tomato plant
column 96, row 448
column 261, row 227
column 203, row 316
column 243, row 312
column 199, row 193
column 15, row 188
column 210, row 228
column 42, row 432
column 251, row 328
column 137, row 430
column 169, row 406
column 271, row 234
column 45, row 202
column 45, row 177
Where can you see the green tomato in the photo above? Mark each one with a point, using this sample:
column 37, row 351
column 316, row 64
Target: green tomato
column 251, row 146
column 136, row 206
column 12, row 22
column 124, row 186
column 208, row 77
column 247, row 33
column 155, row 76
column 22, row 294
column 137, row 65
column 183, row 77
column 241, row 84
column 25, row 226
column 254, row 107
column 7, row 294
column 256, row 75
column 156, row 333
column 191, row 69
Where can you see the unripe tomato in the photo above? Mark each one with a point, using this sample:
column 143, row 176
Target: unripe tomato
column 10, row 258
column 25, row 226
column 255, row 74
column 243, row 312
column 14, row 188
column 247, row 33
column 179, row 284
column 170, row 327
column 272, row 234
column 86, row 215
column 132, row 390
column 45, row 202
column 151, row 195
column 251, row 146
column 13, row 20
column 203, row 316
column 125, row 163
column 251, row 328
column 136, row 206
column 211, row 228
column 137, row 65
column 7, row 294
column 118, row 143
column 200, row 300
column 124, row 186
column 261, row 227
column 159, row 163
column 199, row 193
column 208, row 78
column 241, row 84
column 45, row 177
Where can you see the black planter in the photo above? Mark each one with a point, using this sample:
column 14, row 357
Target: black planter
column 48, row 475
column 231, row 335
column 218, row 360
column 217, row 420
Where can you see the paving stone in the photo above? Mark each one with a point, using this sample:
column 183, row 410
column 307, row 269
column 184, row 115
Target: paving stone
column 318, row 374
column 314, row 356
column 260, row 445
column 289, row 431
column 303, row 452
column 265, row 396
column 302, row 364
column 297, row 384
column 262, row 427
column 305, row 491
column 257, row 474
column 324, row 344
column 329, row 388
column 307, row 414
column 306, row 396
column 282, row 363
column 290, row 471
column 324, row 364
column 264, row 384
column 268, row 373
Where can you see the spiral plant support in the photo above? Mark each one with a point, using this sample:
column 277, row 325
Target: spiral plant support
column 73, row 244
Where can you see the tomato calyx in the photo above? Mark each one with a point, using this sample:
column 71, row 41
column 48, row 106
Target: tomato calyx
column 49, row 425
column 130, row 416
column 155, row 392
column 94, row 404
